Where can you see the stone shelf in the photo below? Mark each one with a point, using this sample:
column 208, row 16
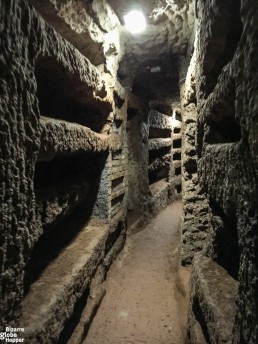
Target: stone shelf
column 53, row 203
column 117, row 175
column 161, row 162
column 176, row 180
column 51, row 298
column 176, row 150
column 60, row 137
column 215, row 291
column 177, row 136
column 116, row 210
column 158, row 186
column 84, row 41
column 155, row 144
column 119, row 190
column 220, row 102
column 159, row 120
column 177, row 163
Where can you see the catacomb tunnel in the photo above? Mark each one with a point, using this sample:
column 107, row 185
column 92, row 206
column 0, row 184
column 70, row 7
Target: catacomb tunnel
column 129, row 171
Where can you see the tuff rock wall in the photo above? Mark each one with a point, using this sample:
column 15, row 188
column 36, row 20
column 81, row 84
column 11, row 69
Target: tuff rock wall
column 63, row 178
column 74, row 147
column 222, row 127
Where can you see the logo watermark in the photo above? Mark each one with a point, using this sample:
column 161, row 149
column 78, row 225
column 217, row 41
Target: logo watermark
column 12, row 335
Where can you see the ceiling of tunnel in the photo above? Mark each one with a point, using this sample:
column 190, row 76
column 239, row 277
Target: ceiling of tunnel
column 154, row 10
column 93, row 28
column 170, row 24
column 157, row 79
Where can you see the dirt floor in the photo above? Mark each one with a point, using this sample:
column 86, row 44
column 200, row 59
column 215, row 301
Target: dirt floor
column 147, row 297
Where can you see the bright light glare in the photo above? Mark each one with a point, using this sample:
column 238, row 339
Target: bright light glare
column 135, row 22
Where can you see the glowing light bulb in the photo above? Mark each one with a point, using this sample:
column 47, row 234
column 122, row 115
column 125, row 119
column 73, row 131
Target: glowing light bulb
column 135, row 22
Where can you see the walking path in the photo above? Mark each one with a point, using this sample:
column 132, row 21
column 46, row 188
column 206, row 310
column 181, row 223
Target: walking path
column 146, row 299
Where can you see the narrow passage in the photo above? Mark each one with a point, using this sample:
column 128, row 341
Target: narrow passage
column 146, row 299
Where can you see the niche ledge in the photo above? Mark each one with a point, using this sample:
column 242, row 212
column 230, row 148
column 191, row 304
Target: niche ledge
column 60, row 137
column 212, row 300
column 159, row 120
column 161, row 195
column 50, row 301
column 155, row 144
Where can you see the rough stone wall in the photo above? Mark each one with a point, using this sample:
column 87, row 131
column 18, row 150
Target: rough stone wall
column 176, row 175
column 90, row 26
column 152, row 180
column 136, row 168
column 197, row 229
column 63, row 208
column 169, row 27
column 226, row 92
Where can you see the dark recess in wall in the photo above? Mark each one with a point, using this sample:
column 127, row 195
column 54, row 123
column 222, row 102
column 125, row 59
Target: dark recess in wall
column 226, row 246
column 177, row 156
column 216, row 60
column 116, row 182
column 113, row 236
column 178, row 116
column 69, row 169
column 158, row 153
column 177, row 143
column 131, row 112
column 179, row 188
column 73, row 321
column 178, row 171
column 119, row 199
column 159, row 133
column 155, row 176
column 63, row 96
column 199, row 316
column 53, row 241
column 118, row 100
column 50, row 177
column 225, row 131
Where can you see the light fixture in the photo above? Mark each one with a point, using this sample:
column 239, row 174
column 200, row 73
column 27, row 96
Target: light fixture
column 135, row 21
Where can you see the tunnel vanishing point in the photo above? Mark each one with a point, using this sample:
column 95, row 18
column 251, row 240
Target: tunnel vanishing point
column 100, row 129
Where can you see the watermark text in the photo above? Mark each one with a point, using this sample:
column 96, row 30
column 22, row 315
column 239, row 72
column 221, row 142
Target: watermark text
column 12, row 335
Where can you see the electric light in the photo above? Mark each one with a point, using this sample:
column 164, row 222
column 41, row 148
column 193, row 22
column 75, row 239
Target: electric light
column 135, row 22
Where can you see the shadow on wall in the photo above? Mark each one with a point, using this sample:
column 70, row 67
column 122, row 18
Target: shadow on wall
column 66, row 189
column 226, row 32
column 62, row 95
column 226, row 246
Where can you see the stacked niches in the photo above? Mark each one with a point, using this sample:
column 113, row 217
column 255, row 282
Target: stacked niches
column 79, row 187
column 164, row 144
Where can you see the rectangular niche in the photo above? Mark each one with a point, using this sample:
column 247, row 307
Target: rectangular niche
column 66, row 190
column 67, row 176
column 159, row 164
column 159, row 133
column 62, row 95
column 160, row 145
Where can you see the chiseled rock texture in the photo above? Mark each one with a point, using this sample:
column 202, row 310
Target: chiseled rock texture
column 213, row 293
column 61, row 125
column 60, row 137
column 91, row 26
column 197, row 225
column 226, row 143
column 149, row 141
column 169, row 26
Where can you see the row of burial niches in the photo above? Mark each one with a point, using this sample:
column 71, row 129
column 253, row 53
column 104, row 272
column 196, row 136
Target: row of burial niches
column 165, row 147
column 72, row 156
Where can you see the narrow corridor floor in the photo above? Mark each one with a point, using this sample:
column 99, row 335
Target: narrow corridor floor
column 143, row 303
